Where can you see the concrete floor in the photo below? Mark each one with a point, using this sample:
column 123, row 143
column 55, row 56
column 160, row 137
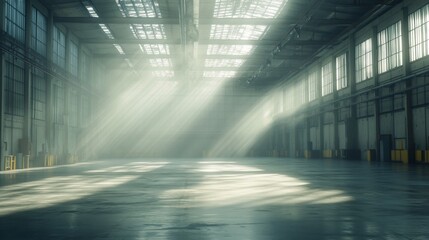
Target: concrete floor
column 216, row 199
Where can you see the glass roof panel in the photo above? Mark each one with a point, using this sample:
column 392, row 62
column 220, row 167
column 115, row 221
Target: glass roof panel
column 107, row 31
column 248, row 8
column 237, row 32
column 119, row 48
column 143, row 8
column 148, row 31
column 239, row 50
column 139, row 8
column 163, row 74
column 160, row 62
column 219, row 74
column 155, row 49
column 90, row 9
column 224, row 62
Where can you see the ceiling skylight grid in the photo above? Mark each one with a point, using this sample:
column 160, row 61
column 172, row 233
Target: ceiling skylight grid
column 219, row 74
column 237, row 32
column 239, row 50
column 93, row 13
column 160, row 62
column 139, row 8
column 163, row 74
column 223, row 62
column 148, row 31
column 155, row 49
column 248, row 8
column 119, row 48
column 143, row 8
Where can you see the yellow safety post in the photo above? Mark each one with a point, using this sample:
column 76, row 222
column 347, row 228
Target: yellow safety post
column 9, row 162
column 404, row 156
column 426, row 156
column 26, row 161
column 419, row 156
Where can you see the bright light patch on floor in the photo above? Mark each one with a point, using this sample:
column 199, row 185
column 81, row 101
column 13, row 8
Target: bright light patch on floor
column 249, row 187
column 56, row 190
column 134, row 167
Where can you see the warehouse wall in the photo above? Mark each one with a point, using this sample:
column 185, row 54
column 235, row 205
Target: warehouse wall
column 383, row 117
column 46, row 103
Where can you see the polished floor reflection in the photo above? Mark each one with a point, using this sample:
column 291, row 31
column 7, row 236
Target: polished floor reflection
column 257, row 198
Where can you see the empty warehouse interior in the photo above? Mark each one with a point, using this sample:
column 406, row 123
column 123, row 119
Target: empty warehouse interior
column 214, row 119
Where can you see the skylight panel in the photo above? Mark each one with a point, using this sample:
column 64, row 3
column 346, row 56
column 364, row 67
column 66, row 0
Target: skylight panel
column 107, row 31
column 143, row 8
column 90, row 9
column 224, row 62
column 155, row 49
column 217, row 49
column 139, row 8
column 160, row 62
column 163, row 74
column 219, row 74
column 119, row 48
column 237, row 32
column 148, row 31
column 248, row 8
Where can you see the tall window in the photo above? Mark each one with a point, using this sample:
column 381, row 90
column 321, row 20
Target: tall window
column 300, row 93
column 59, row 103
column 364, row 60
column 38, row 32
column 86, row 114
column 14, row 89
column 39, row 95
column 312, row 84
column 418, row 26
column 73, row 108
column 74, row 59
column 84, row 68
column 327, row 83
column 390, row 48
column 341, row 70
column 59, row 51
column 15, row 19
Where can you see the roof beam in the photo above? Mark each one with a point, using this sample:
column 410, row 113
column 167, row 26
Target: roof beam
column 172, row 42
column 201, row 21
column 204, row 42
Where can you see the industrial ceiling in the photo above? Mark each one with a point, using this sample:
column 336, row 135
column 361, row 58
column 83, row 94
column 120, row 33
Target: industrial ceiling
column 257, row 42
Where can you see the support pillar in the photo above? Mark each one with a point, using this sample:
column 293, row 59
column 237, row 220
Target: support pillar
column 351, row 124
column 25, row 146
column 408, row 94
column 376, row 93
